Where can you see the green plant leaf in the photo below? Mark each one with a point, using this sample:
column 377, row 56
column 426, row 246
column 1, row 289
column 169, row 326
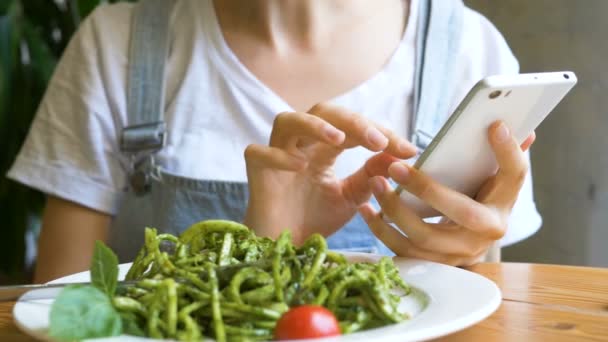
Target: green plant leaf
column 42, row 60
column 10, row 37
column 85, row 7
column 5, row 65
column 104, row 269
column 81, row 312
column 5, row 5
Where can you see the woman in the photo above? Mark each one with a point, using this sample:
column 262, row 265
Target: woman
column 344, row 76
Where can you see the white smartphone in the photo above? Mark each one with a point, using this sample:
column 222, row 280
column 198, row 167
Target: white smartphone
column 460, row 156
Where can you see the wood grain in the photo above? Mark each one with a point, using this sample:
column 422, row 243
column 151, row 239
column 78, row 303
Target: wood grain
column 540, row 303
column 8, row 329
column 578, row 288
column 517, row 321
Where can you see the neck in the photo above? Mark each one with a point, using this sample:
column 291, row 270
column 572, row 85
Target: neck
column 302, row 24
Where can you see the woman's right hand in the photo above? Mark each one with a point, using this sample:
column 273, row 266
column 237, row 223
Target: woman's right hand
column 292, row 184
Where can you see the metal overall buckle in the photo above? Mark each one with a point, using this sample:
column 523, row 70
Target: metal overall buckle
column 141, row 142
column 141, row 174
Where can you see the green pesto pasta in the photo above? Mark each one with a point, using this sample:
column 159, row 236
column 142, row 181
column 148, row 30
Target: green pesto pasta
column 219, row 280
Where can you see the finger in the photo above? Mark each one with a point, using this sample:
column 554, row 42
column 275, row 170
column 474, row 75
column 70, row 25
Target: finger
column 359, row 131
column 289, row 127
column 512, row 167
column 399, row 243
column 440, row 238
column 272, row 157
column 356, row 186
column 362, row 132
column 458, row 207
column 528, row 142
column 397, row 146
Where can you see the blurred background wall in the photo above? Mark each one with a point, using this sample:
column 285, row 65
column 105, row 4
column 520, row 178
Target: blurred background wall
column 570, row 156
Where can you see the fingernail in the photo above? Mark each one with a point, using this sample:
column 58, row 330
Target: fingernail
column 405, row 146
column 377, row 186
column 399, row 172
column 364, row 213
column 502, row 133
column 375, row 137
column 334, row 134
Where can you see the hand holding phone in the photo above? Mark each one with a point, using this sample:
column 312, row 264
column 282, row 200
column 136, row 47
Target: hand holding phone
column 460, row 156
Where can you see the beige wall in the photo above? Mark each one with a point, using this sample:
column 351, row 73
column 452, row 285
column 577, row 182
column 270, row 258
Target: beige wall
column 570, row 157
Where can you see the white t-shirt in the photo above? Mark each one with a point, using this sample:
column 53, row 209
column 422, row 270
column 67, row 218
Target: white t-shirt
column 215, row 106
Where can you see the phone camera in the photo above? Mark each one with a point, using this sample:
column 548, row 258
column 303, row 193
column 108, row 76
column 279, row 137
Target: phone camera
column 566, row 76
column 495, row 94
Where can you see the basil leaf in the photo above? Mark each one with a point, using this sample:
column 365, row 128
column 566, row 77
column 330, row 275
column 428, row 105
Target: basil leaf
column 81, row 312
column 104, row 269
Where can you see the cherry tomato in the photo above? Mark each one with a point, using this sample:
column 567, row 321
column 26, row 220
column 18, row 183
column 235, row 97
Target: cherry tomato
column 306, row 321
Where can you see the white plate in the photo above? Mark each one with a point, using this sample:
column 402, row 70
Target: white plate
column 445, row 300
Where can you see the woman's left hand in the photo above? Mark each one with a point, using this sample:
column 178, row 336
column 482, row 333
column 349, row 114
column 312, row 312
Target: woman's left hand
column 470, row 226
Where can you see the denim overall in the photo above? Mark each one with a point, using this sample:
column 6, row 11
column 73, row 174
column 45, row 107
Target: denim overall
column 171, row 203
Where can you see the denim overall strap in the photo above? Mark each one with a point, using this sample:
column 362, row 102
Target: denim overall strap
column 144, row 134
column 437, row 46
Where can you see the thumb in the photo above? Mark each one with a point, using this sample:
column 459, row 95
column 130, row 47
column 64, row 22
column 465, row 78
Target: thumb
column 356, row 186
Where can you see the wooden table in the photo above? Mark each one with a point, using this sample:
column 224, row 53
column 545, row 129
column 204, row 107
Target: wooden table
column 540, row 303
